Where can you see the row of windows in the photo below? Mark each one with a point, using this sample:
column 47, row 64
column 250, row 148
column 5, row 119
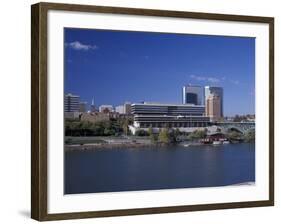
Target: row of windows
column 71, row 108
column 168, row 107
column 171, row 114
column 172, row 119
column 178, row 112
column 173, row 124
column 71, row 104
column 167, row 110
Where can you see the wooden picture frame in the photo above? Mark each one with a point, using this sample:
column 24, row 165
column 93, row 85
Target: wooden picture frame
column 39, row 108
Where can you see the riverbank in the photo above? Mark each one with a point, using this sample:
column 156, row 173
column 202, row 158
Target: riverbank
column 131, row 145
column 93, row 146
column 249, row 183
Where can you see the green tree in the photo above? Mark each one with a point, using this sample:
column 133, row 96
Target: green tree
column 177, row 133
column 234, row 135
column 250, row 136
column 197, row 134
column 84, row 127
column 76, row 128
column 68, row 128
column 153, row 136
column 141, row 133
column 174, row 134
column 150, row 131
column 108, row 132
column 164, row 136
column 125, row 125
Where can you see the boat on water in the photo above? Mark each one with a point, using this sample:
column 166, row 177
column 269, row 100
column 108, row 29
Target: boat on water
column 185, row 144
column 217, row 142
column 225, row 142
column 206, row 141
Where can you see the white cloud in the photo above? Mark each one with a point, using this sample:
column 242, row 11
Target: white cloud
column 76, row 45
column 212, row 79
column 205, row 78
column 236, row 82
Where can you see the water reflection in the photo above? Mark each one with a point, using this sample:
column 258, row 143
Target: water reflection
column 158, row 168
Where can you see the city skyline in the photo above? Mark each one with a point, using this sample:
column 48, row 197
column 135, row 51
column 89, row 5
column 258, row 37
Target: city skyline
column 154, row 67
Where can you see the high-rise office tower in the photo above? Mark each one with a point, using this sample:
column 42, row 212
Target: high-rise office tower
column 71, row 103
column 127, row 108
column 218, row 91
column 192, row 94
column 213, row 107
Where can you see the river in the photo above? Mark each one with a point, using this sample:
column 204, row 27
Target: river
column 112, row 170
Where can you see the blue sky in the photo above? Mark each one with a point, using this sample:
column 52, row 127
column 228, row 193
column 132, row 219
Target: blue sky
column 119, row 66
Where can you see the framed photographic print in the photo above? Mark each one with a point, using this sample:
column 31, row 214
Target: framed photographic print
column 140, row 111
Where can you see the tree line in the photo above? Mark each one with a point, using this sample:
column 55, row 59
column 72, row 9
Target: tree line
column 166, row 135
column 116, row 127
column 170, row 135
column 112, row 127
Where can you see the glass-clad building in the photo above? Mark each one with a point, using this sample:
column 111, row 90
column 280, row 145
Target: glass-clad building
column 192, row 94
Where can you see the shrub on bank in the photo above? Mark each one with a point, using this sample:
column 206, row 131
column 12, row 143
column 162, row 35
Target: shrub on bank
column 141, row 133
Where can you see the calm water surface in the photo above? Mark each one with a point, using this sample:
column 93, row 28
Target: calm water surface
column 158, row 168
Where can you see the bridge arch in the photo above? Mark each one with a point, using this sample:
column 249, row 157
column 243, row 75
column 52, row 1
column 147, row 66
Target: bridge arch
column 241, row 127
column 234, row 128
column 250, row 129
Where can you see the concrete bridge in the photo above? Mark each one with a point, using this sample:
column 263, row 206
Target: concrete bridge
column 242, row 127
